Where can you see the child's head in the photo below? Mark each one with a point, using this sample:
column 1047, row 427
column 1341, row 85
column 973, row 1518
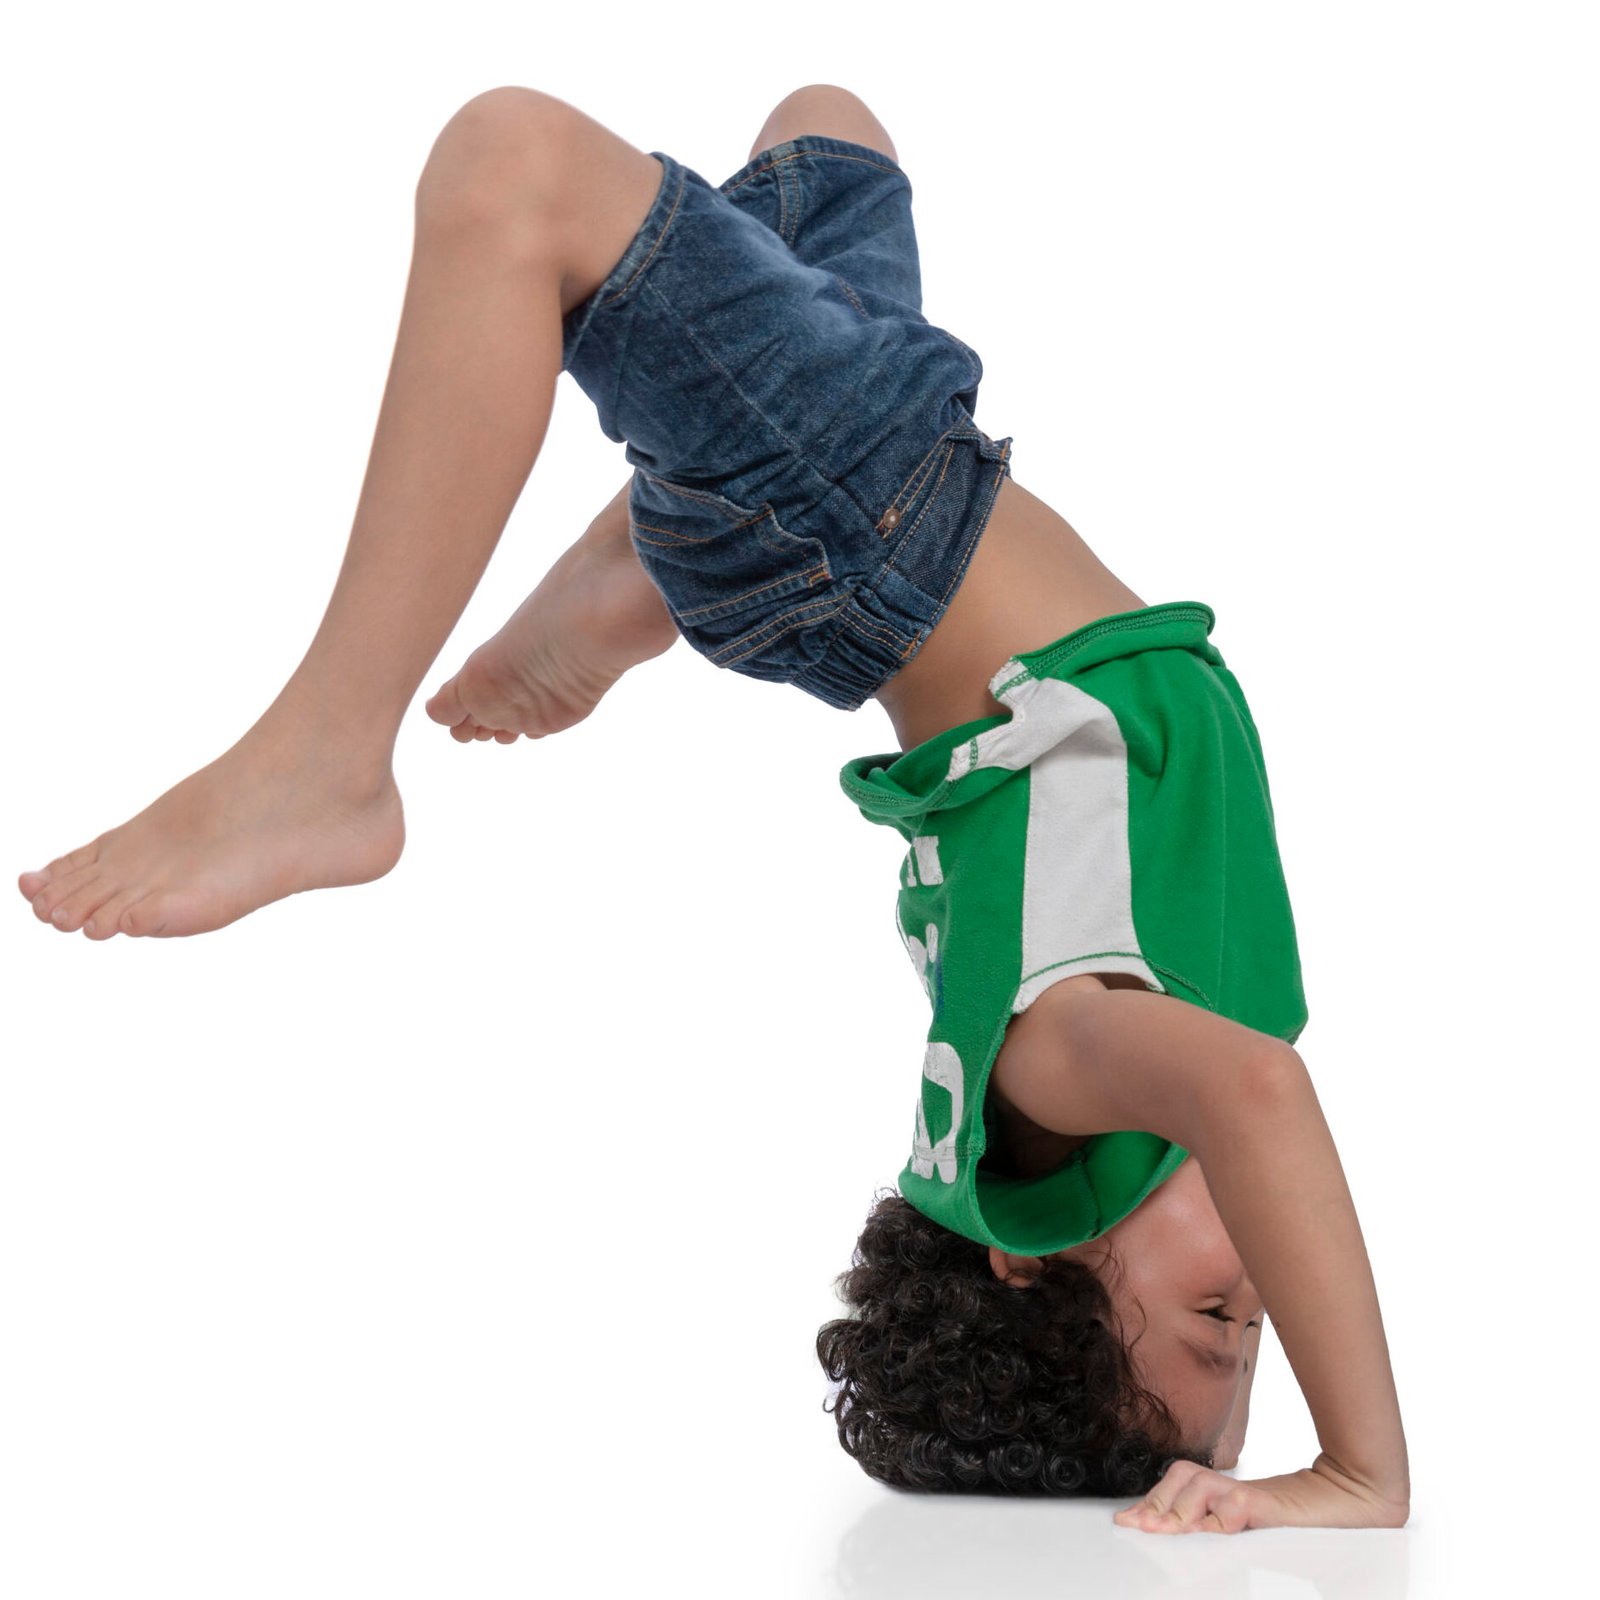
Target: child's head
column 1085, row 1372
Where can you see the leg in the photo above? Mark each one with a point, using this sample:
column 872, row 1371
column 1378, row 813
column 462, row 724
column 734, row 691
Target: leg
column 823, row 108
column 806, row 178
column 595, row 613
column 523, row 208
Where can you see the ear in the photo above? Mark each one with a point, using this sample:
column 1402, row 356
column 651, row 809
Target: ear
column 1019, row 1272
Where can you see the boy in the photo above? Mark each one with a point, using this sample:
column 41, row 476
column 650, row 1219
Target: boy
column 811, row 503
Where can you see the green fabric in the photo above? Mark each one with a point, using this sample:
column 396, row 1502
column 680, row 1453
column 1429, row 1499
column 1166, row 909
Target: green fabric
column 1117, row 817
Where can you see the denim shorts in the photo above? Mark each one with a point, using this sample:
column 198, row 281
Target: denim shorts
column 809, row 483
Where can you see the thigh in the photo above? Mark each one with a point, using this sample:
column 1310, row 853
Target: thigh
column 840, row 206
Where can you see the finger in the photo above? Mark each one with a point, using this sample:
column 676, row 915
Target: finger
column 1171, row 1485
column 1203, row 1490
column 1231, row 1514
column 1152, row 1514
column 1143, row 1520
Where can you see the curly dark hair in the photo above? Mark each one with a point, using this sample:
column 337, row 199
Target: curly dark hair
column 952, row 1381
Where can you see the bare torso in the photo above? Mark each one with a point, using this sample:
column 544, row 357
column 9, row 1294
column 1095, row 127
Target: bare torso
column 1031, row 580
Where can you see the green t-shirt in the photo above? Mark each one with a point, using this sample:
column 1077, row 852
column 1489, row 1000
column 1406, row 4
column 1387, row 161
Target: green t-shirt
column 1116, row 819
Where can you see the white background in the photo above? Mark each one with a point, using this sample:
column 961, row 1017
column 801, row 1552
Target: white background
column 467, row 1233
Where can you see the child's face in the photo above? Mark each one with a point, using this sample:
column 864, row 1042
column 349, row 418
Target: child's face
column 1179, row 1276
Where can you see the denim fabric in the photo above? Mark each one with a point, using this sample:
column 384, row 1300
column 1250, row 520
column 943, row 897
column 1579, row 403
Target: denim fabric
column 809, row 482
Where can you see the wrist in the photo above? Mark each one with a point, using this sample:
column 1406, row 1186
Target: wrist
column 1389, row 1490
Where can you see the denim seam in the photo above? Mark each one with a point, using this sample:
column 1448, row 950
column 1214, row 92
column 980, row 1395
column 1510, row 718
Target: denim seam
column 850, row 295
column 676, row 541
column 979, row 524
column 687, row 332
column 789, row 186
column 932, row 500
column 830, row 622
column 705, row 496
column 944, row 471
column 796, row 155
column 909, row 489
column 872, row 630
column 661, row 234
column 775, row 628
column 857, row 620
column 787, row 547
column 906, row 491
column 811, row 575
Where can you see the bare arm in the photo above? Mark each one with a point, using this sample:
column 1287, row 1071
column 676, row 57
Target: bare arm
column 1243, row 1104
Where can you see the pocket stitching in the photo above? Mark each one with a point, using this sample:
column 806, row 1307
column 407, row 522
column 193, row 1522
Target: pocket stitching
column 906, row 532
column 774, row 628
column 790, row 547
column 721, row 608
column 785, row 544
column 912, row 487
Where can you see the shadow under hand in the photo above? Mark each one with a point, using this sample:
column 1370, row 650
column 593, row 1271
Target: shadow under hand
column 927, row 1546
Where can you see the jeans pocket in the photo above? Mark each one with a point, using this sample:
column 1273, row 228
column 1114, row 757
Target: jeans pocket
column 917, row 495
column 729, row 573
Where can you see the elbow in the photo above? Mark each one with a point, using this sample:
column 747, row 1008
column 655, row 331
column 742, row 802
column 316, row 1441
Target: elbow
column 1259, row 1087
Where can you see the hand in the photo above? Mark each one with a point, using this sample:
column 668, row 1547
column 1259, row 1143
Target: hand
column 1194, row 1499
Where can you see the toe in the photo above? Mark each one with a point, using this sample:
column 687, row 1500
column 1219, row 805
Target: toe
column 445, row 706
column 465, row 731
column 106, row 919
column 145, row 917
column 83, row 902
column 172, row 913
column 505, row 736
column 55, row 892
column 30, row 883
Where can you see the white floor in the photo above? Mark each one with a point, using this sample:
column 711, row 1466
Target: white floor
column 467, row 1233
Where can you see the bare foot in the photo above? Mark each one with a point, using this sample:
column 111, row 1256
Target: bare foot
column 271, row 817
column 593, row 615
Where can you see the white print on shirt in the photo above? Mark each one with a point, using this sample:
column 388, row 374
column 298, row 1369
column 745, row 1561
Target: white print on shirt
column 923, row 956
column 922, row 862
column 941, row 1065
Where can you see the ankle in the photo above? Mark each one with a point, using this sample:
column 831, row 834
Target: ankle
column 610, row 534
column 303, row 731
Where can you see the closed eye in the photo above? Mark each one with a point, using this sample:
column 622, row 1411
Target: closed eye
column 1217, row 1312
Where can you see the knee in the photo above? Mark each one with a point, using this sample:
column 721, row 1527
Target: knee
column 824, row 108
column 499, row 158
